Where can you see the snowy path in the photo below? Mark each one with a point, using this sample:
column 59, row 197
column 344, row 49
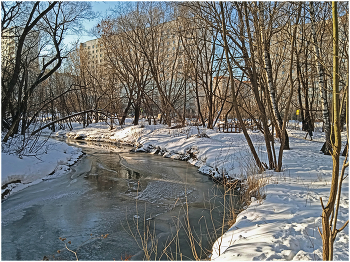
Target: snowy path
column 284, row 225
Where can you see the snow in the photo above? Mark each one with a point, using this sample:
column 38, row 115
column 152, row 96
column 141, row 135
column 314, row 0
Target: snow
column 52, row 160
column 283, row 226
column 216, row 154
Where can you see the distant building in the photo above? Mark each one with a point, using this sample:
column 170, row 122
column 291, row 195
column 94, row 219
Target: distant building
column 92, row 54
column 97, row 57
column 30, row 51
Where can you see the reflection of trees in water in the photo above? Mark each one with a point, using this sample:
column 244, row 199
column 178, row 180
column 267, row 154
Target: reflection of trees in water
column 107, row 173
column 133, row 174
column 103, row 182
column 115, row 147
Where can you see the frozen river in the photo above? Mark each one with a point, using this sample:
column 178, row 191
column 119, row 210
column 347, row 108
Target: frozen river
column 122, row 194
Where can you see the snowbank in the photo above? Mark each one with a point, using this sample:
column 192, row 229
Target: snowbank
column 213, row 153
column 284, row 226
column 53, row 159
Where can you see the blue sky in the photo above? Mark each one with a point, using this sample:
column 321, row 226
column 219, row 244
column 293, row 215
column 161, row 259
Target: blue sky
column 102, row 10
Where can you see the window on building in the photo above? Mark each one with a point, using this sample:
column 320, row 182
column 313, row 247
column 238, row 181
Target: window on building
column 174, row 42
column 101, row 45
column 92, row 51
column 174, row 48
column 88, row 47
column 100, row 55
column 93, row 46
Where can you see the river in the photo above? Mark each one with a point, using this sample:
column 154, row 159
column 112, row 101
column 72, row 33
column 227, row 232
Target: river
column 113, row 191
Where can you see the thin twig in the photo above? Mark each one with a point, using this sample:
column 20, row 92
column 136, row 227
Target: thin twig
column 319, row 231
column 71, row 251
column 346, row 223
column 322, row 203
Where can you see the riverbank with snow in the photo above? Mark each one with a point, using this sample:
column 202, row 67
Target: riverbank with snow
column 213, row 153
column 18, row 172
column 282, row 226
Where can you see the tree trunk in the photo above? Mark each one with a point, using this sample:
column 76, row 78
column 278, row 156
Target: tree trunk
column 344, row 106
column 198, row 103
column 301, row 113
column 284, row 137
column 254, row 81
column 250, row 143
column 137, row 114
column 268, row 67
column 322, row 86
column 183, row 122
column 327, row 236
column 125, row 113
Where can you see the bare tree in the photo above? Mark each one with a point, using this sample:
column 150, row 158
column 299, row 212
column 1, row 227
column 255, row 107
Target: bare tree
column 322, row 84
column 330, row 211
column 43, row 27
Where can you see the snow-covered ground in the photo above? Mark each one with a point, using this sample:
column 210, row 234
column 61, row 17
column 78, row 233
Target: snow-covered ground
column 282, row 226
column 51, row 160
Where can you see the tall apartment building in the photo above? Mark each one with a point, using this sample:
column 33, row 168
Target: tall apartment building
column 92, row 53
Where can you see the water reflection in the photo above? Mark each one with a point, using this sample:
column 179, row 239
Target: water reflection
column 133, row 174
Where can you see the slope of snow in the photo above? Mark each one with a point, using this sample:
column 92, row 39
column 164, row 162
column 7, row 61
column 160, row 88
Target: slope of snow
column 284, row 226
column 215, row 153
column 52, row 160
